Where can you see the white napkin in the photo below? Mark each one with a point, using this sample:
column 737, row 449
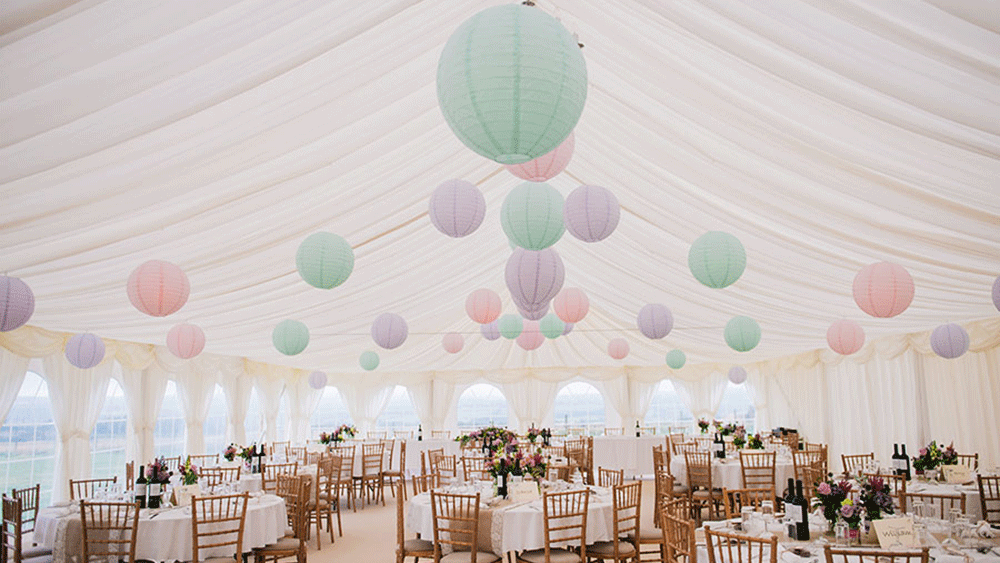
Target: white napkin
column 984, row 530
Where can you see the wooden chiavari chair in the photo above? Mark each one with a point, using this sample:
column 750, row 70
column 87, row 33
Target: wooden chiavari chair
column 864, row 555
column 811, row 476
column 321, row 504
column 298, row 453
column 129, row 475
column 444, row 465
column 29, row 506
column 109, row 530
column 855, row 463
column 269, row 475
column 388, row 448
column 565, row 516
column 12, row 549
column 172, row 463
column 425, row 483
column 896, row 485
column 969, row 460
column 403, row 434
column 648, row 430
column 678, row 528
column 80, row 489
column 576, row 453
column 758, row 469
column 279, row 447
column 474, row 468
column 345, row 481
column 331, row 494
column 801, row 460
column 413, row 547
column 216, row 523
column 441, row 434
column 426, row 457
column 989, row 497
column 944, row 502
column 204, row 460
column 370, row 481
column 683, row 448
column 704, row 442
column 736, row 499
column 576, row 431
column 625, row 502
column 610, row 477
column 699, row 477
column 296, row 491
column 456, row 524
column 214, row 476
column 392, row 475
column 553, row 450
column 736, row 548
column 374, row 435
column 614, row 431
column 674, row 440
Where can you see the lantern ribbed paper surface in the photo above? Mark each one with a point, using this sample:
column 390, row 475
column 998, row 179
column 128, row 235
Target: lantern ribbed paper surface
column 530, row 338
column 742, row 334
column 185, row 340
column 676, row 359
column 158, row 288
column 591, row 213
column 290, row 337
column 317, row 380
column 717, row 259
column 551, row 326
column 845, row 337
column 618, row 348
column 571, row 304
column 532, row 216
column 389, row 331
column 534, row 277
column 883, row 289
column 483, row 306
column 84, row 350
column 534, row 314
column 655, row 321
column 457, row 208
column 996, row 293
column 490, row 331
column 547, row 166
column 452, row 342
column 950, row 341
column 511, row 83
column 324, row 260
column 368, row 360
column 17, row 303
column 568, row 328
column 510, row 326
column 737, row 374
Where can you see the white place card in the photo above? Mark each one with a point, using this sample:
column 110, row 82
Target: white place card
column 523, row 491
column 183, row 494
column 956, row 473
column 895, row 532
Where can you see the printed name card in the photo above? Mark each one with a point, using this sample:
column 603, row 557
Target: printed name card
column 956, row 473
column 895, row 532
column 522, row 491
column 183, row 494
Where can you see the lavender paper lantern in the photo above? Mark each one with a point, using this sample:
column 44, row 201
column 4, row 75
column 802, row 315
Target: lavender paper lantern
column 84, row 350
column 949, row 341
column 742, row 334
column 317, row 380
column 17, row 303
column 532, row 216
column 534, row 314
column 483, row 306
column 389, row 331
column 845, row 337
column 568, row 328
column 490, row 331
column 158, row 288
column 591, row 213
column 655, row 321
column 618, row 348
column 368, row 360
column 290, row 337
column 883, row 289
column 531, row 337
column 676, row 359
column 185, row 341
column 996, row 293
column 737, row 375
column 571, row 305
column 510, row 326
column 551, row 326
column 547, row 166
column 534, row 277
column 452, row 342
column 457, row 208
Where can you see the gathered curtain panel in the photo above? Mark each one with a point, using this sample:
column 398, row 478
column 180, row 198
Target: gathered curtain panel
column 365, row 401
column 13, row 368
column 531, row 400
column 433, row 400
column 302, row 403
column 144, row 390
column 238, row 386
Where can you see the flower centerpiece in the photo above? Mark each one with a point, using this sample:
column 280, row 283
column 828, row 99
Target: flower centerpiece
column 703, row 425
column 490, row 439
column 851, row 514
column 725, row 429
column 533, row 434
column 157, row 472
column 230, row 453
column 875, row 498
column 512, row 461
column 755, row 442
column 342, row 433
column 247, row 453
column 189, row 472
column 932, row 456
column 739, row 437
column 830, row 495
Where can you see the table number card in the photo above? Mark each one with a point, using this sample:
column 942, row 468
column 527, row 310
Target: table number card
column 895, row 532
column 956, row 473
column 183, row 494
column 522, row 491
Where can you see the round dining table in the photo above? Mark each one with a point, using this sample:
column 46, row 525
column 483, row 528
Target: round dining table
column 728, row 474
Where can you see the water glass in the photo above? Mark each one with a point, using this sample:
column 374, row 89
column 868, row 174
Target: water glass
column 746, row 513
column 932, row 512
column 840, row 532
column 767, row 509
column 918, row 510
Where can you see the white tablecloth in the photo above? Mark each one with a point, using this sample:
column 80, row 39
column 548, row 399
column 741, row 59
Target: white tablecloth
column 973, row 504
column 634, row 455
column 729, row 475
column 167, row 537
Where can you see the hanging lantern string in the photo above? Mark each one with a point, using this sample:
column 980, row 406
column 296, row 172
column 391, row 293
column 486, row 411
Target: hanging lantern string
column 575, row 330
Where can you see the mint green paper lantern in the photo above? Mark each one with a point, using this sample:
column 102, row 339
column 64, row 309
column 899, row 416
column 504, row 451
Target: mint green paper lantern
column 510, row 326
column 324, row 260
column 676, row 359
column 512, row 83
column 717, row 259
column 742, row 334
column 532, row 216
column 290, row 337
column 368, row 360
column 551, row 326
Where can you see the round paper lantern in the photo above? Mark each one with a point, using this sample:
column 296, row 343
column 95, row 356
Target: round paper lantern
column 457, row 208
column 551, row 326
column 84, row 350
column 317, row 380
column 290, row 337
column 158, row 288
column 618, row 348
column 490, row 331
column 324, row 260
column 737, row 374
column 845, row 337
column 534, row 277
column 511, row 83
column 483, row 306
column 185, row 340
column 532, row 216
column 568, row 328
column 742, row 334
column 530, row 338
column 547, row 166
column 368, row 360
column 676, row 359
column 717, row 259
column 949, row 341
column 591, row 213
column 389, row 331
column 17, row 303
column 655, row 321
column 996, row 293
column 453, row 342
column 534, row 314
column 883, row 289
column 510, row 326
column 571, row 305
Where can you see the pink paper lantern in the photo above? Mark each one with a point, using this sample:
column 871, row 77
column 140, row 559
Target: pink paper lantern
column 84, row 350
column 737, row 374
column 845, row 337
column 531, row 337
column 949, row 341
column 591, row 213
column 883, row 289
column 17, row 303
column 490, row 331
column 655, row 321
column 547, row 166
column 389, row 331
column 618, row 348
column 571, row 305
column 534, row 276
column 457, row 208
column 185, row 341
column 453, row 342
column 483, row 306
column 567, row 328
column 158, row 288
column 996, row 293
column 317, row 380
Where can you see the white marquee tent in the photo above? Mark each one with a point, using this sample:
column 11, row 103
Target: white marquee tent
column 219, row 134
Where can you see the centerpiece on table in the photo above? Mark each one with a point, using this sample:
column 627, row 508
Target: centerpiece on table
column 725, row 429
column 341, row 434
column 157, row 477
column 739, row 437
column 755, row 442
column 703, row 425
column 231, row 451
column 189, row 473
column 876, row 499
column 510, row 460
column 932, row 456
column 830, row 495
column 490, row 439
column 534, row 434
column 252, row 457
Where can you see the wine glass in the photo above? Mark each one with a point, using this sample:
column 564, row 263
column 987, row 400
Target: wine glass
column 767, row 510
column 918, row 510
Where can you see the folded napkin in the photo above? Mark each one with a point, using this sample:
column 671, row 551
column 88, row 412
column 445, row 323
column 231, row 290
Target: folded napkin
column 984, row 530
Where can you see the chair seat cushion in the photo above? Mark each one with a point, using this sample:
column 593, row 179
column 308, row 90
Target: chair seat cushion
column 648, row 535
column 283, row 545
column 557, row 556
column 607, row 549
column 39, row 559
column 37, row 551
column 466, row 557
column 418, row 545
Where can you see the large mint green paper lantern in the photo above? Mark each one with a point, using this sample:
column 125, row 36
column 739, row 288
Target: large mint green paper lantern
column 552, row 326
column 510, row 326
column 512, row 83
column 368, row 360
column 717, row 259
column 532, row 216
column 742, row 334
column 290, row 337
column 676, row 359
column 324, row 260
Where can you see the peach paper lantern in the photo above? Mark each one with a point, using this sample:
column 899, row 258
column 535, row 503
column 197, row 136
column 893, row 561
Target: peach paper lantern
column 185, row 341
column 618, row 348
column 547, row 166
column 571, row 305
column 845, row 337
column 883, row 289
column 453, row 342
column 158, row 288
column 531, row 336
column 483, row 306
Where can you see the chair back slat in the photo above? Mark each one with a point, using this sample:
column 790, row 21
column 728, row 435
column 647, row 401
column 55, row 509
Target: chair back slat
column 866, row 555
column 425, row 483
column 80, row 489
column 217, row 522
column 610, row 477
column 736, row 548
column 109, row 530
column 271, row 471
column 29, row 506
column 214, row 476
column 12, row 532
column 736, row 499
column 758, row 469
column 678, row 531
column 969, row 460
column 989, row 497
column 855, row 463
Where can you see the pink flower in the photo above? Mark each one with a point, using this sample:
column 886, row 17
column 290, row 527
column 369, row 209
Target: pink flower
column 824, row 488
column 923, row 451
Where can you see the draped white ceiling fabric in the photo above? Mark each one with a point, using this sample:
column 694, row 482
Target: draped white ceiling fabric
column 219, row 134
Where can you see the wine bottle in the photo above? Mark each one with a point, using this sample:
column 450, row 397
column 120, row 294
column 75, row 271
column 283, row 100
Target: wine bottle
column 154, row 490
column 895, row 460
column 140, row 487
column 802, row 514
column 789, row 497
column 905, row 460
column 638, row 432
column 420, row 432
